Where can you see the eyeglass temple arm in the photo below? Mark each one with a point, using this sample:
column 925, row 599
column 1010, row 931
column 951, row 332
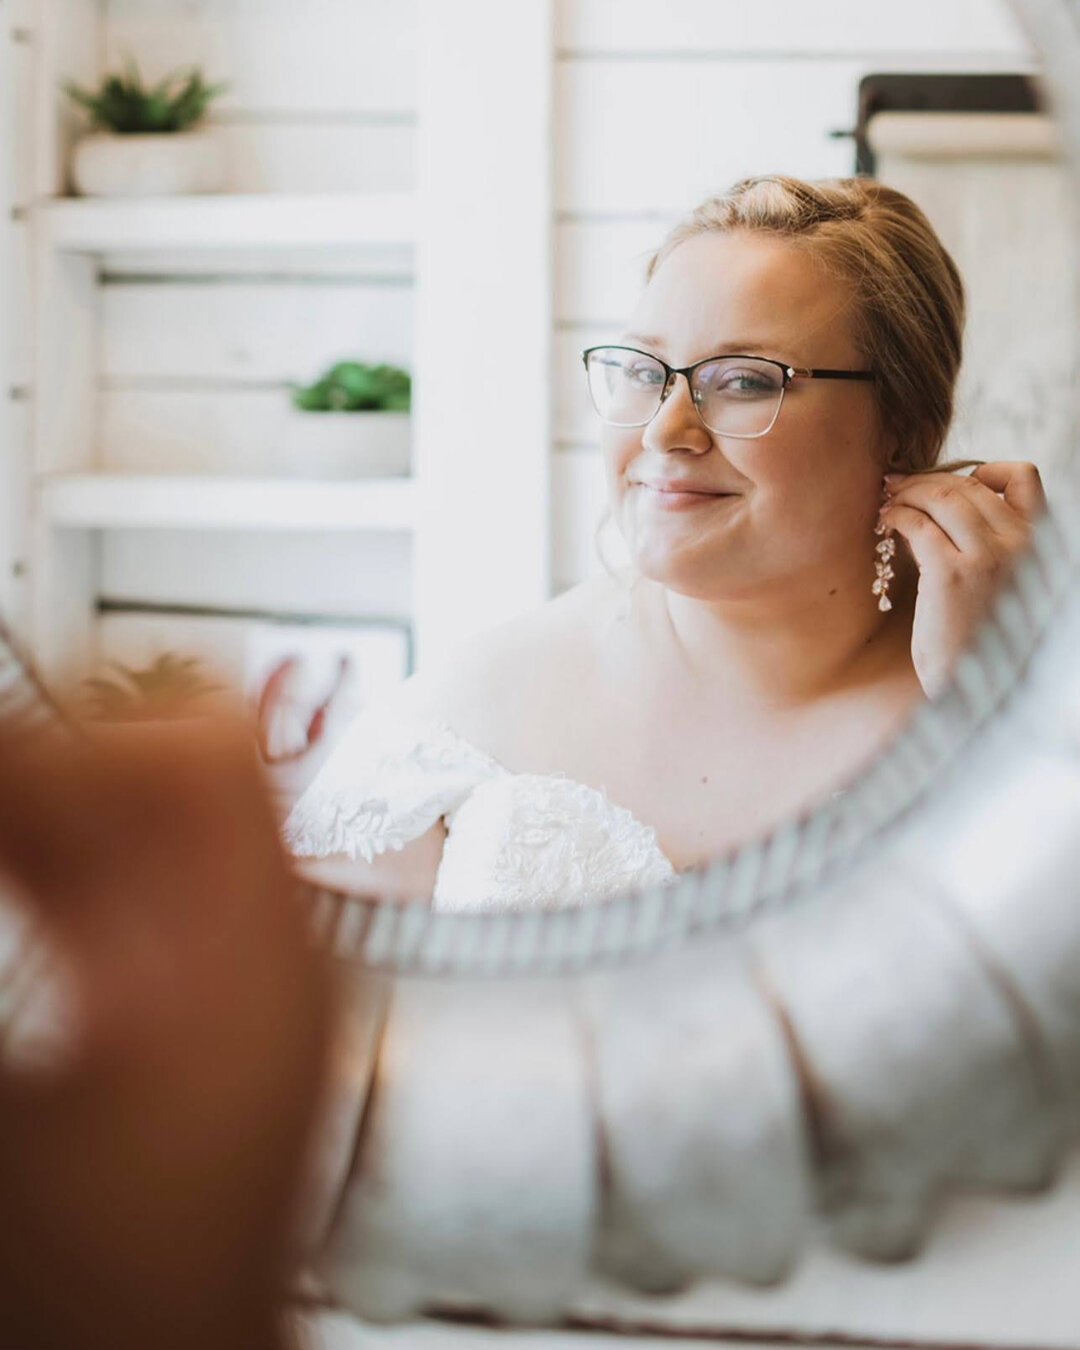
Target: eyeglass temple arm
column 831, row 374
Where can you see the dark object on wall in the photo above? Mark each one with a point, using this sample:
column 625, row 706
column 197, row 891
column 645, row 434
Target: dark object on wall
column 900, row 92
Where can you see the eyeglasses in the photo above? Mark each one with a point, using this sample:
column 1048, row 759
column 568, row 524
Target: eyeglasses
column 736, row 396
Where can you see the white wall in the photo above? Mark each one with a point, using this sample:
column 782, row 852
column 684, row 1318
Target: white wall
column 660, row 105
column 1008, row 221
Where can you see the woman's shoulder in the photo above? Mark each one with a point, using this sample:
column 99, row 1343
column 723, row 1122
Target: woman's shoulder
column 506, row 689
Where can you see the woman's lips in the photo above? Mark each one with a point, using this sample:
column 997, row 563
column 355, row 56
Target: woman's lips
column 675, row 499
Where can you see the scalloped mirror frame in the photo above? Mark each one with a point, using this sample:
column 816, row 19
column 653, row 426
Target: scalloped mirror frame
column 827, row 1030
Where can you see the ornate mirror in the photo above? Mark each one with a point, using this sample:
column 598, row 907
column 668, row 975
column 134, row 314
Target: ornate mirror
column 812, row 1043
column 744, row 1100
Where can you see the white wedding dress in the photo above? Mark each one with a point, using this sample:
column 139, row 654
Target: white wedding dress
column 514, row 840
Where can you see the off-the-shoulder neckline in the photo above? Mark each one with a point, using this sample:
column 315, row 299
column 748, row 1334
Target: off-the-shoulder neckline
column 445, row 728
column 424, row 724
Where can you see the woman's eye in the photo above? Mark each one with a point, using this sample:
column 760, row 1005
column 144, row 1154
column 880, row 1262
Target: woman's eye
column 745, row 382
column 645, row 374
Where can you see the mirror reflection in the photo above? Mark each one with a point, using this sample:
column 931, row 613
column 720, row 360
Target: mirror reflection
column 773, row 420
column 520, row 631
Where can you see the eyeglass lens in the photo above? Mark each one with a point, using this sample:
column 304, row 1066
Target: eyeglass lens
column 736, row 395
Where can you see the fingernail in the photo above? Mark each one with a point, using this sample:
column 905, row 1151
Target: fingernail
column 891, row 480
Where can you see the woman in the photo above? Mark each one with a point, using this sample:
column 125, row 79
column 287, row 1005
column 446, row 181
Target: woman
column 769, row 637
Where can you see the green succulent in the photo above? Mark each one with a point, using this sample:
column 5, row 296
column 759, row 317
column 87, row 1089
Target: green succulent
column 123, row 105
column 352, row 386
column 169, row 684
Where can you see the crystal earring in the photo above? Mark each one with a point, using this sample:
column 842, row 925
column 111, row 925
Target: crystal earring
column 886, row 551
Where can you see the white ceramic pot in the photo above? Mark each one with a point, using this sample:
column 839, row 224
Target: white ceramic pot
column 343, row 444
column 106, row 164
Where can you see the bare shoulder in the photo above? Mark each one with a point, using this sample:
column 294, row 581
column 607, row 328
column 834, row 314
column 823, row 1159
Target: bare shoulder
column 507, row 688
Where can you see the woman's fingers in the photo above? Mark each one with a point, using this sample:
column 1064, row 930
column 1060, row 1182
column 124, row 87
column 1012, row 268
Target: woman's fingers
column 932, row 549
column 970, row 512
column 952, row 509
column 1020, row 483
column 964, row 539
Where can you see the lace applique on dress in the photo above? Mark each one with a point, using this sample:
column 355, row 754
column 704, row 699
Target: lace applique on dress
column 525, row 840
column 514, row 840
column 388, row 780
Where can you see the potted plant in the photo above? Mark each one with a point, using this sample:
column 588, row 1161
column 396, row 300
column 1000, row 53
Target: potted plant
column 169, row 687
column 352, row 422
column 148, row 142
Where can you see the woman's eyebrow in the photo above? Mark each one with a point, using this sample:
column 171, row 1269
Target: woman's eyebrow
column 739, row 347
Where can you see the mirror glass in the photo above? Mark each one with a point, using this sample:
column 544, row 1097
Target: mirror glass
column 323, row 405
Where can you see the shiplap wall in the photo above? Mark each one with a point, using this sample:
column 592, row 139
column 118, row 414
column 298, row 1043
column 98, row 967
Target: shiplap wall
column 658, row 106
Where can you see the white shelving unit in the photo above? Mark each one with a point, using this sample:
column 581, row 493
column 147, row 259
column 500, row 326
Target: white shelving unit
column 100, row 501
column 74, row 503
column 477, row 229
column 238, row 220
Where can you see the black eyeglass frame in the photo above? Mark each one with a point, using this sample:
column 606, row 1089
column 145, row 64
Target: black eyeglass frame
column 789, row 373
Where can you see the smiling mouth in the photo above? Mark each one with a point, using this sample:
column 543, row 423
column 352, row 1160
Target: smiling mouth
column 673, row 501
column 682, row 492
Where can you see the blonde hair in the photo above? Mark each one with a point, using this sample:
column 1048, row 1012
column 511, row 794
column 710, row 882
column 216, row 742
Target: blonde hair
column 908, row 297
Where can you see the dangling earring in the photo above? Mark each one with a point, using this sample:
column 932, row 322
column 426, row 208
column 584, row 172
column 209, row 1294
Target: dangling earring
column 886, row 551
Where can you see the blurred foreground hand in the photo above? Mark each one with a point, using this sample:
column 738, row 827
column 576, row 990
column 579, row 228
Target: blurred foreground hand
column 149, row 1158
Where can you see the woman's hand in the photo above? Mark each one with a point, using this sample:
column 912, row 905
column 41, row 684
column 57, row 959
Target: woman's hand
column 150, row 1163
column 964, row 539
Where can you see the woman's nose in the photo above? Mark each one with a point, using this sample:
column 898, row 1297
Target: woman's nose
column 676, row 424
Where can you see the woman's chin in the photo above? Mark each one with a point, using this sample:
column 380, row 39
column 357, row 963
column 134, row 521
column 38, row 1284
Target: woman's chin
column 669, row 548
column 683, row 570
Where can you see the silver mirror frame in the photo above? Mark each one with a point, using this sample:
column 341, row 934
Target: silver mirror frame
column 831, row 1028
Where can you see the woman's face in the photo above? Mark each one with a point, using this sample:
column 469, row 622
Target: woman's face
column 802, row 499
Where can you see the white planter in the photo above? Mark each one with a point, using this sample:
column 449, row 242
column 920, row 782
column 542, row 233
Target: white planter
column 106, row 164
column 343, row 444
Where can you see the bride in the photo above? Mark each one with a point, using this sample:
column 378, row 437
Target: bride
column 802, row 572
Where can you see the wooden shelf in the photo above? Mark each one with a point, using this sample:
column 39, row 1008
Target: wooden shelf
column 202, row 502
column 227, row 220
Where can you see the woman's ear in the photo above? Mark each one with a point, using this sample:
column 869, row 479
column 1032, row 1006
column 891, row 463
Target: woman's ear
column 896, row 458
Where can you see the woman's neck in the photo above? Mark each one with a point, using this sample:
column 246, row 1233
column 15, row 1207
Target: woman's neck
column 792, row 649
